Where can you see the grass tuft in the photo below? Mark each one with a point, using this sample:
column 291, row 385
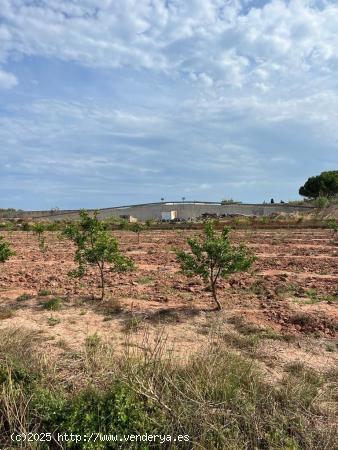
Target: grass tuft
column 54, row 304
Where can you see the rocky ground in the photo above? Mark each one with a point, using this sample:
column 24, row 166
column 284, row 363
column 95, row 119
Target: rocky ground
column 284, row 311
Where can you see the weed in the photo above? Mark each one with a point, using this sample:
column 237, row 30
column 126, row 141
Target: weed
column 53, row 304
column 244, row 327
column 302, row 319
column 62, row 343
column 165, row 316
column 132, row 324
column 6, row 313
column 52, row 321
column 330, row 348
column 218, row 398
column 313, row 295
column 242, row 342
column 258, row 288
column 23, row 297
column 111, row 306
column 331, row 299
column 44, row 293
column 286, row 290
column 144, row 280
column 321, row 202
column 92, row 342
column 316, row 298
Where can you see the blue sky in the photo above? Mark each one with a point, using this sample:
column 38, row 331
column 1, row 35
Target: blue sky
column 110, row 102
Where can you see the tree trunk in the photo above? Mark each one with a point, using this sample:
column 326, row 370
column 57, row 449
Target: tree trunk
column 214, row 294
column 102, row 282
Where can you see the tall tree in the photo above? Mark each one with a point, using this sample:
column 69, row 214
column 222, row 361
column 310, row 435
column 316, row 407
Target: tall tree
column 325, row 184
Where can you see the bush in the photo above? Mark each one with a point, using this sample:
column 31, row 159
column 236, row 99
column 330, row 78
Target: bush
column 116, row 411
column 321, row 202
column 332, row 225
column 217, row 398
column 54, row 304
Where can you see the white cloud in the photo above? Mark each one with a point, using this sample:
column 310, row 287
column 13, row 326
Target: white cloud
column 203, row 36
column 7, row 80
column 213, row 92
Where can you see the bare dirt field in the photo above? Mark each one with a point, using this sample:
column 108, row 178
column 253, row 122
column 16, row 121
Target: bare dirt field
column 284, row 311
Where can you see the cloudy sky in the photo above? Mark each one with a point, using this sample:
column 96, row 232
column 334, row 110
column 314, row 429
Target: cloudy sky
column 110, row 102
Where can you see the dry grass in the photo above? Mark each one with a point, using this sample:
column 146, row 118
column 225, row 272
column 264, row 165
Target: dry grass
column 218, row 398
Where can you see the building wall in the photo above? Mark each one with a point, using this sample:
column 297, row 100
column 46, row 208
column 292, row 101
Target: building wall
column 187, row 210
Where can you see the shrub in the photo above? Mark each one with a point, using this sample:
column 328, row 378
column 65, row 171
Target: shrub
column 332, row 225
column 23, row 297
column 52, row 321
column 44, row 292
column 321, row 202
column 54, row 304
column 6, row 313
column 52, row 226
column 218, row 398
column 149, row 223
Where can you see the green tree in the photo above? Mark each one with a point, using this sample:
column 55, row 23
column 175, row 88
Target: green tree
column 95, row 246
column 213, row 256
column 137, row 228
column 149, row 223
column 39, row 229
column 333, row 225
column 123, row 224
column 323, row 185
column 229, row 201
column 26, row 227
column 5, row 250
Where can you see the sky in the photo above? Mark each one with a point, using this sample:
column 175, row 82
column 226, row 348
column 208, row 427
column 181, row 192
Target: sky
column 116, row 102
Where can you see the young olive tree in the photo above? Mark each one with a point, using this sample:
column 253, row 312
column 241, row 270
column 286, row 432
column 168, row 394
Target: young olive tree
column 95, row 247
column 5, row 250
column 213, row 257
column 333, row 226
column 26, row 227
column 39, row 229
column 137, row 228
